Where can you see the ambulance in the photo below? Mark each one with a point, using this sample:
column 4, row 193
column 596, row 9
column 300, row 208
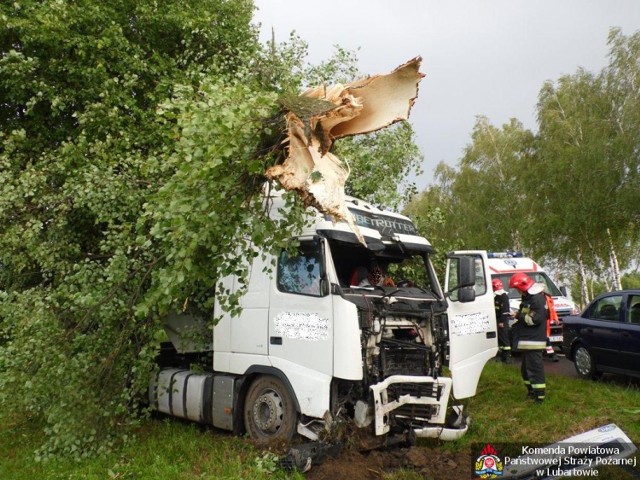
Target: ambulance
column 503, row 265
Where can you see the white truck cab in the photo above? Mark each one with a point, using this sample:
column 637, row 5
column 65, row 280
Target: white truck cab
column 312, row 349
column 504, row 264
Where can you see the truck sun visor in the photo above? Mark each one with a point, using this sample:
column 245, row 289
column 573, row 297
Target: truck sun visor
column 373, row 244
column 417, row 247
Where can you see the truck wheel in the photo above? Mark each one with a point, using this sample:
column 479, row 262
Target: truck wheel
column 269, row 411
column 583, row 362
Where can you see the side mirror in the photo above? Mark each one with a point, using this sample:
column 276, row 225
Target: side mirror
column 467, row 273
column 465, row 276
column 563, row 290
column 466, row 294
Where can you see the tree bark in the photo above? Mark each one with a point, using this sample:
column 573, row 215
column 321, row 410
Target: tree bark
column 615, row 268
column 583, row 280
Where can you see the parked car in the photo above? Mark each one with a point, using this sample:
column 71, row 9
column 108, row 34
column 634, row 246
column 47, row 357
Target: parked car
column 605, row 337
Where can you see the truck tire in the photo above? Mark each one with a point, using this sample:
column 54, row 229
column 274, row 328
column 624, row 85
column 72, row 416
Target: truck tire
column 269, row 411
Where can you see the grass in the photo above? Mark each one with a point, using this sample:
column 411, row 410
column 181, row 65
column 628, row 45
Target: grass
column 572, row 406
column 165, row 449
column 172, row 449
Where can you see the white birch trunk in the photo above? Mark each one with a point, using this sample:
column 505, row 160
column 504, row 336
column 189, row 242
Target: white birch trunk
column 615, row 268
column 583, row 279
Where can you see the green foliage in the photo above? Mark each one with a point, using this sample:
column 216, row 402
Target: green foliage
column 382, row 165
column 129, row 167
column 430, row 221
column 211, row 209
column 631, row 281
column 475, row 205
column 133, row 140
column 342, row 67
column 585, row 141
column 568, row 195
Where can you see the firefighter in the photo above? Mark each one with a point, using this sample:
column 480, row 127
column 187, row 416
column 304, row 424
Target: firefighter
column 503, row 315
column 530, row 333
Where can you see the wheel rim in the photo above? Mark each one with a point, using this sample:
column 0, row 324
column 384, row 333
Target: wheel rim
column 268, row 412
column 583, row 361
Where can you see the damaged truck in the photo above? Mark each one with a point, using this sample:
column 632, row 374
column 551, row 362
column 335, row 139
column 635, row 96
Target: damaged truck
column 316, row 346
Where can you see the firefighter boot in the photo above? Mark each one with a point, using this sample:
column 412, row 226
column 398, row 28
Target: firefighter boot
column 530, row 394
column 505, row 356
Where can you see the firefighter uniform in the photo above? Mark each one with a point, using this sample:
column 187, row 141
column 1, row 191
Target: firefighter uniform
column 553, row 318
column 503, row 315
column 530, row 339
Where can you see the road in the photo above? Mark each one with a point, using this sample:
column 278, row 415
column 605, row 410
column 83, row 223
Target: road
column 566, row 368
column 562, row 367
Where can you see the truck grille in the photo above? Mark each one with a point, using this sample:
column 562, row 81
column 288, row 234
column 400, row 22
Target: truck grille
column 415, row 411
column 403, row 361
column 417, row 390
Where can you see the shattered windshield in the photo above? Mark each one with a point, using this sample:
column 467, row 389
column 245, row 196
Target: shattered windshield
column 358, row 267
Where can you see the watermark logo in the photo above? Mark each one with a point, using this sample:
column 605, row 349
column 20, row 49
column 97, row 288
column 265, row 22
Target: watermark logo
column 488, row 464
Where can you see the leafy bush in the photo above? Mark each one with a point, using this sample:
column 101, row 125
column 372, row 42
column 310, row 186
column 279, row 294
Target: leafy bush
column 129, row 172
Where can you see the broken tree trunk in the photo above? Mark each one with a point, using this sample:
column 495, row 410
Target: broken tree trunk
column 323, row 114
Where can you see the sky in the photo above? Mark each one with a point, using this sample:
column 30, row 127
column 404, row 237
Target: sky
column 480, row 57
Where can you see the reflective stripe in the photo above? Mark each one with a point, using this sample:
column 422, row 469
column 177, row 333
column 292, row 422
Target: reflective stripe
column 538, row 386
column 527, row 382
column 532, row 345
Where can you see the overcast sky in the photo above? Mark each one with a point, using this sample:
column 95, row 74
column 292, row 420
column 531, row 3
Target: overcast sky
column 480, row 57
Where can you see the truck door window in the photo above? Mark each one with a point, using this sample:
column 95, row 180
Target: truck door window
column 480, row 285
column 301, row 272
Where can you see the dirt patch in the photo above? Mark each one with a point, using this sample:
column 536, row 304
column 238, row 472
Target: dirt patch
column 428, row 462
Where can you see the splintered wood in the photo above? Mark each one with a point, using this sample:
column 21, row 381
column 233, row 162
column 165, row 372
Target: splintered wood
column 323, row 114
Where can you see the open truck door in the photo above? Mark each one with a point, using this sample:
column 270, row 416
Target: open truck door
column 472, row 320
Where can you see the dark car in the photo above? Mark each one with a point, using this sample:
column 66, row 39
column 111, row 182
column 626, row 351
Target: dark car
column 605, row 337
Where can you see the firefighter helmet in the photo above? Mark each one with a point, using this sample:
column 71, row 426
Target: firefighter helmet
column 496, row 284
column 521, row 281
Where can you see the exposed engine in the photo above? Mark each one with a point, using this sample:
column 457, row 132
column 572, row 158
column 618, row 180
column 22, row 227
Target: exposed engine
column 402, row 334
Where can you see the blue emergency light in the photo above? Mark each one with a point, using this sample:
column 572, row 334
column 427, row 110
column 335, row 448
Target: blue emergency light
column 507, row 254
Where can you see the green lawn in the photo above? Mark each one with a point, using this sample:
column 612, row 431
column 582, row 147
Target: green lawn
column 172, row 449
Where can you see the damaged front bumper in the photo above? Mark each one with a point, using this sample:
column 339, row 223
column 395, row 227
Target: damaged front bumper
column 417, row 401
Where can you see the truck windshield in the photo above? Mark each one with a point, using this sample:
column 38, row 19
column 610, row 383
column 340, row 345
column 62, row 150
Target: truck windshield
column 538, row 277
column 357, row 266
column 411, row 272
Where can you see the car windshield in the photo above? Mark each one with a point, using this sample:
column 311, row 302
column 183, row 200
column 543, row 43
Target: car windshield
column 538, row 277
